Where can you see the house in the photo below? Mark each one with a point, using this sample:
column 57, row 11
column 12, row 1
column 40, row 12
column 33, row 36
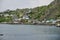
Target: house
column 25, row 17
column 52, row 21
column 4, row 14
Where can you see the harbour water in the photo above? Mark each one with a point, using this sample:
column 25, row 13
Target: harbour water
column 29, row 32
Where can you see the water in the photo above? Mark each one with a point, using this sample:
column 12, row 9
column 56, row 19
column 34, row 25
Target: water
column 29, row 32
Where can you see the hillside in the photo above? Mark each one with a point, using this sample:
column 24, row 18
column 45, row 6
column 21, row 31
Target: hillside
column 46, row 12
column 52, row 11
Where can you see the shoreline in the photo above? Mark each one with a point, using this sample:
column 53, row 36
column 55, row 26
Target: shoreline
column 29, row 24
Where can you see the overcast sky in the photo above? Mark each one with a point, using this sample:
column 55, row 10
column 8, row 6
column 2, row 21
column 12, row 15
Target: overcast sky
column 14, row 4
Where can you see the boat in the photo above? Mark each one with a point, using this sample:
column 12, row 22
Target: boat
column 58, row 23
column 1, row 34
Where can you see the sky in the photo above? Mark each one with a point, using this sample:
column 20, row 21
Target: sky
column 14, row 4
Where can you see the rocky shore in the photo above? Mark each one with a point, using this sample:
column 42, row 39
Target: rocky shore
column 29, row 24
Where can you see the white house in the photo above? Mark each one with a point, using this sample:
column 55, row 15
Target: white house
column 52, row 21
column 8, row 15
column 25, row 17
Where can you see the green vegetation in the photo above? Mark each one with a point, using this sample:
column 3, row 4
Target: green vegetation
column 51, row 11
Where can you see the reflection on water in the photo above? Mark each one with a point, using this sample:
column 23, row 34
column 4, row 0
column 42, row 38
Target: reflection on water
column 29, row 32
